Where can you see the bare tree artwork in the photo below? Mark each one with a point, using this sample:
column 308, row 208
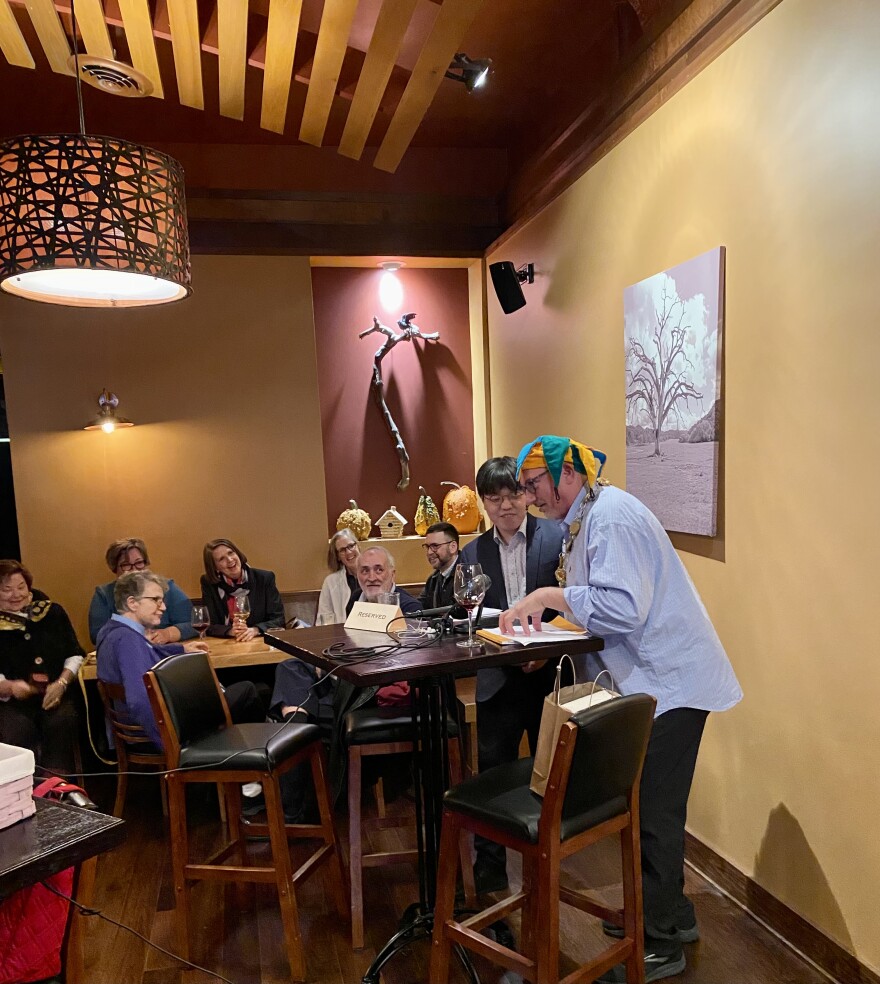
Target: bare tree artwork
column 657, row 383
column 408, row 333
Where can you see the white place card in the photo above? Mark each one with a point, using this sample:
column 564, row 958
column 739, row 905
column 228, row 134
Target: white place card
column 374, row 618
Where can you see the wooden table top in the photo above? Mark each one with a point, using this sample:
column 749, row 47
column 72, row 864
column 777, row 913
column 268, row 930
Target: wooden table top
column 224, row 653
column 55, row 837
column 411, row 663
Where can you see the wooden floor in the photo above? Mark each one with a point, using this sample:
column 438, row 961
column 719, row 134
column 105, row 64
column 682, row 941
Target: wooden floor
column 239, row 929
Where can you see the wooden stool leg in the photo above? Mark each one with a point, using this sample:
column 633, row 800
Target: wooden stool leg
column 380, row 798
column 179, row 860
column 284, row 877
column 530, row 915
column 444, row 904
column 163, row 793
column 633, row 917
column 337, row 879
column 355, row 847
column 546, row 927
column 229, row 794
column 74, row 969
column 121, row 786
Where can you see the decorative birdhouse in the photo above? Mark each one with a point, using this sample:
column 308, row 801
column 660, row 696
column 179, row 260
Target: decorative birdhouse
column 391, row 523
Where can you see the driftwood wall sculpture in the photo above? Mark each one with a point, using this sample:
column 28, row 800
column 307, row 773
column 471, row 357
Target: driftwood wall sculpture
column 408, row 333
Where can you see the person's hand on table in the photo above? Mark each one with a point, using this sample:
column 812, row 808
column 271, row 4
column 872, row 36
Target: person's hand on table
column 243, row 633
column 53, row 695
column 197, row 646
column 527, row 612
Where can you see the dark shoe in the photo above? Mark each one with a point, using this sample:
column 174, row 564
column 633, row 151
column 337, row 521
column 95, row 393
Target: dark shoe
column 691, row 935
column 657, row 966
column 489, row 879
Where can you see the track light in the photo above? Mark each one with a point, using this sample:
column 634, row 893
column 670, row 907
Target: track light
column 473, row 72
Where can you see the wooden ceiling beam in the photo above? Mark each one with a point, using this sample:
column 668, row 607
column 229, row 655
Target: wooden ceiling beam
column 141, row 45
column 394, row 18
column 450, row 27
column 12, row 42
column 93, row 27
column 51, row 33
column 183, row 16
column 329, row 54
column 281, row 34
column 232, row 22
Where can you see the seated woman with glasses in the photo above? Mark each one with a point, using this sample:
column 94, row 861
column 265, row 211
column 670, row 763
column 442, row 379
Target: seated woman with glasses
column 228, row 577
column 338, row 587
column 39, row 659
column 123, row 557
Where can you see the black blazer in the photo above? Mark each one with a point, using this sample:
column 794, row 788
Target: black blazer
column 267, row 609
column 543, row 546
column 431, row 597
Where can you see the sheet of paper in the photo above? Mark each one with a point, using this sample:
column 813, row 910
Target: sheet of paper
column 549, row 634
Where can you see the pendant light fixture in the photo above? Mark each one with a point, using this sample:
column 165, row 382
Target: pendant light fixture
column 107, row 419
column 91, row 221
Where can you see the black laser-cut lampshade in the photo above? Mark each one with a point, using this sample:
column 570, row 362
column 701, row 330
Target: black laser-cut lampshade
column 92, row 221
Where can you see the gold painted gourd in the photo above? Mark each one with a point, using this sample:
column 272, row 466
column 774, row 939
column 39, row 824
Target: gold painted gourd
column 460, row 508
column 356, row 519
column 426, row 513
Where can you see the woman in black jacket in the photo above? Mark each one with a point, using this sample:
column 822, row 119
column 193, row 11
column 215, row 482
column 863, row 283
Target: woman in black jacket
column 228, row 576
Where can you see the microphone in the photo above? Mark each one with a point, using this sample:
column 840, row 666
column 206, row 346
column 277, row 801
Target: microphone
column 432, row 612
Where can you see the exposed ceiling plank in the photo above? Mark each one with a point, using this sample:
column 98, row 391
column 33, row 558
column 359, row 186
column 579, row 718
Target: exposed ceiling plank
column 385, row 44
column 12, row 42
column 232, row 18
column 93, row 27
column 52, row 37
column 139, row 33
column 280, row 47
column 329, row 54
column 453, row 20
column 186, row 42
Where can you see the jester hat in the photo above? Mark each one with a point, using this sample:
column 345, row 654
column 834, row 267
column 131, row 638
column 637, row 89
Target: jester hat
column 552, row 452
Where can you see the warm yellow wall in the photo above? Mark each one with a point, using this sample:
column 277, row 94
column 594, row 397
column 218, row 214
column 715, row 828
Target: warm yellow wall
column 774, row 152
column 223, row 389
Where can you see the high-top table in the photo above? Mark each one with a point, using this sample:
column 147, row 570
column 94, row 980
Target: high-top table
column 427, row 667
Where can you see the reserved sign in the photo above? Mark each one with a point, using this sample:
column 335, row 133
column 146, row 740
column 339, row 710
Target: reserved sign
column 373, row 617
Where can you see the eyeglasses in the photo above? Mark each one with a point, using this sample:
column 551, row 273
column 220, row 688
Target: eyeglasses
column 341, row 550
column 156, row 599
column 496, row 500
column 434, row 547
column 531, row 485
column 137, row 565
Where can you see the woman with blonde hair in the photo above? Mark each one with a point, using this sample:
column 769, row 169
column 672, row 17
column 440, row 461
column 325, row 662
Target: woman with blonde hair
column 338, row 587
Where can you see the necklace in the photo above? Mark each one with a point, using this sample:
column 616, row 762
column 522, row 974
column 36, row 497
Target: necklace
column 573, row 530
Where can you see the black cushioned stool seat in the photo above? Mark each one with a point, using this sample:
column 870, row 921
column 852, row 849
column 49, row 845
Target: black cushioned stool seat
column 382, row 731
column 592, row 792
column 202, row 745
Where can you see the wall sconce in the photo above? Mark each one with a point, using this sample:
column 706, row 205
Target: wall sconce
column 390, row 288
column 473, row 72
column 108, row 419
column 506, row 280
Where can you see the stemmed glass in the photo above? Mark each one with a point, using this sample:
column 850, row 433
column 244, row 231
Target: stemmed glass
column 469, row 590
column 200, row 619
column 242, row 610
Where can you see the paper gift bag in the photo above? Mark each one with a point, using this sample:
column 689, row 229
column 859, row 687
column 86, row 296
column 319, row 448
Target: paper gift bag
column 560, row 705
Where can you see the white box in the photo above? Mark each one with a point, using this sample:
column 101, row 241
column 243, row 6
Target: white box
column 16, row 784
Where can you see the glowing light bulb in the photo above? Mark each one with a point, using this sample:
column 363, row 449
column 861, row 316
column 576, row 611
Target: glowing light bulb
column 108, row 426
column 390, row 292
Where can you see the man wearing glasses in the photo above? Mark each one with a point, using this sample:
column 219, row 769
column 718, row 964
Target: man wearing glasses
column 520, row 553
column 441, row 549
column 125, row 652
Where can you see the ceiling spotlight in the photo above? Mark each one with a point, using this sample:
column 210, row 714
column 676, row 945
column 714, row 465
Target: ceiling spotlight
column 391, row 266
column 473, row 72
column 108, row 419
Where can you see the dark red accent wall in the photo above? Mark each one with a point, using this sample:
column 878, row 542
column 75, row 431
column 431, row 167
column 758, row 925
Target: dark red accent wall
column 428, row 389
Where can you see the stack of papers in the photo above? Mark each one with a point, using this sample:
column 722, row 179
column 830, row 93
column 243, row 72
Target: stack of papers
column 559, row 630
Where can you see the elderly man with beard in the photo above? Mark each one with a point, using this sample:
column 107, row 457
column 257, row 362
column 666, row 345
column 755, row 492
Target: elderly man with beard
column 620, row 578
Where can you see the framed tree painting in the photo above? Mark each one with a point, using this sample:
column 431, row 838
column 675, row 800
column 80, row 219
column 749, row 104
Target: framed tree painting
column 672, row 335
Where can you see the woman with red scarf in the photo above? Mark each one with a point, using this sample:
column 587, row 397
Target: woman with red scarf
column 228, row 576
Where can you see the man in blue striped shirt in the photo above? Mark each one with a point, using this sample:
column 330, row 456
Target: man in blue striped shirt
column 620, row 578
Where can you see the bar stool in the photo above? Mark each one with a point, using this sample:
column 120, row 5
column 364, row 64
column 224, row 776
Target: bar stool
column 383, row 731
column 201, row 741
column 592, row 793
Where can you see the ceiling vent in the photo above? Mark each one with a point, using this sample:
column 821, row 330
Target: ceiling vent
column 111, row 76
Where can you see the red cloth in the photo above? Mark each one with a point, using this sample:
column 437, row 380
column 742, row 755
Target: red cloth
column 393, row 695
column 32, row 923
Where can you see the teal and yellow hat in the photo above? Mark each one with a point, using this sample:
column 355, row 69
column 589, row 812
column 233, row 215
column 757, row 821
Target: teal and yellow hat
column 552, row 452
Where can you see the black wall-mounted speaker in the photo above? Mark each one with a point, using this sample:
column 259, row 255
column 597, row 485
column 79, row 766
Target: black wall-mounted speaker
column 507, row 287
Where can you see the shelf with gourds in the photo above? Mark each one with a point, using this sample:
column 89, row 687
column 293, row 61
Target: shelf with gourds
column 460, row 508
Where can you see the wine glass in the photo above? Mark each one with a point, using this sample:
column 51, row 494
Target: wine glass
column 200, row 619
column 469, row 589
column 242, row 610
